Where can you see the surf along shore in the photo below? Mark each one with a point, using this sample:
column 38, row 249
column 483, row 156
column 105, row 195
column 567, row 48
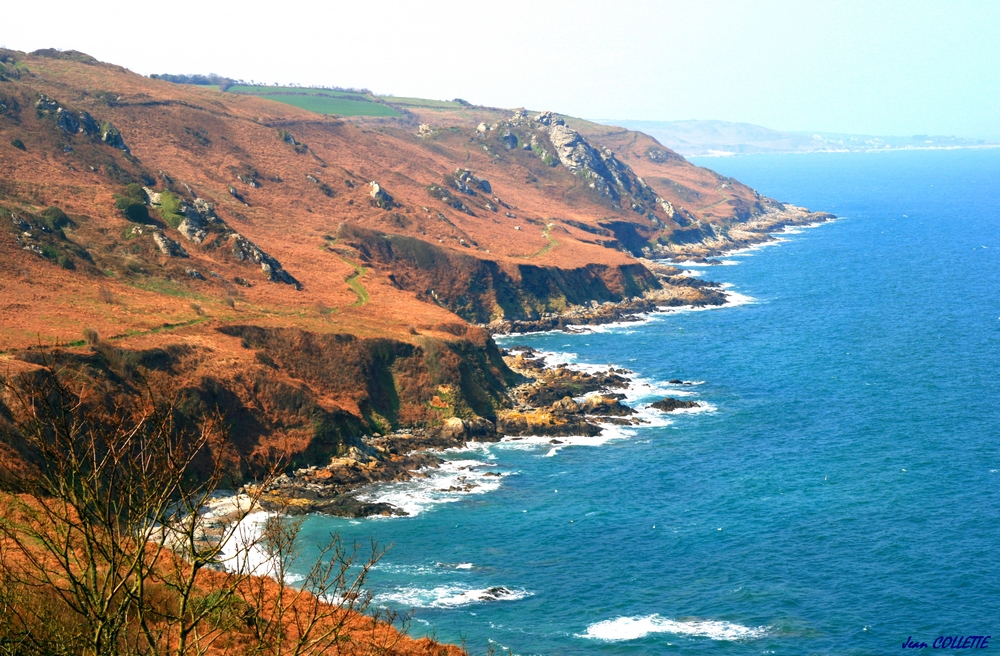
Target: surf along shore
column 553, row 403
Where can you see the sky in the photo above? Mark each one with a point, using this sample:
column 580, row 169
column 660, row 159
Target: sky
column 884, row 68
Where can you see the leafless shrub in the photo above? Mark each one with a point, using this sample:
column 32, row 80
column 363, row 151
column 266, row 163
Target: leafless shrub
column 198, row 309
column 91, row 337
column 105, row 295
column 104, row 548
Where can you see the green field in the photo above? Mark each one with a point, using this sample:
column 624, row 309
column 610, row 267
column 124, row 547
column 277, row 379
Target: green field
column 321, row 101
column 344, row 103
column 264, row 90
column 420, row 102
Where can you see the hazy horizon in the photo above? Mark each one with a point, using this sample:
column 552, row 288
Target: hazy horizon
column 899, row 68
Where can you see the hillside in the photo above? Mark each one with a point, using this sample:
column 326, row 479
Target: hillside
column 312, row 275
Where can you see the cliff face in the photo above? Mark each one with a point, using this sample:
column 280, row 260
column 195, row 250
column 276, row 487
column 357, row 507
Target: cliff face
column 300, row 395
column 482, row 291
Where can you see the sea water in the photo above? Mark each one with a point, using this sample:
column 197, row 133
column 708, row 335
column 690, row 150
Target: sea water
column 838, row 493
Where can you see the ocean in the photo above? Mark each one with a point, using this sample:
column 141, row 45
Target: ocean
column 838, row 493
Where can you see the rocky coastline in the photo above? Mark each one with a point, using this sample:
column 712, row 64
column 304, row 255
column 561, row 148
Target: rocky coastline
column 551, row 401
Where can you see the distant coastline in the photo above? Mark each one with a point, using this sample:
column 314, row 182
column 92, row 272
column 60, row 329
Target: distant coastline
column 705, row 138
column 845, row 150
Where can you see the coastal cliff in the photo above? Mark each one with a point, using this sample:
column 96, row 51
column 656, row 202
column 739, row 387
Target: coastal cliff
column 319, row 279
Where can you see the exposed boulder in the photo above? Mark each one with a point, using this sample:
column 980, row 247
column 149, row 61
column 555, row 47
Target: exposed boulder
column 670, row 404
column 245, row 250
column 87, row 124
column 168, row 246
column 197, row 218
column 46, row 105
column 380, row 197
column 66, row 121
column 111, row 136
column 605, row 406
column 466, row 182
column 509, row 140
column 548, row 118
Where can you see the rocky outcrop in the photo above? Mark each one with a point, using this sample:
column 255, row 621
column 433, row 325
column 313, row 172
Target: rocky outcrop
column 482, row 290
column 556, row 143
column 79, row 122
column 546, row 405
column 197, row 218
column 201, row 225
column 468, row 183
column 670, row 404
column 380, row 197
column 168, row 246
column 245, row 250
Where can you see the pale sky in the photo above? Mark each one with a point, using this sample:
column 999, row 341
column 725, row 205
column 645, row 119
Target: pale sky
column 889, row 67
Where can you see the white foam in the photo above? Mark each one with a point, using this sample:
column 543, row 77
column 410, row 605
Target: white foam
column 748, row 251
column 633, row 628
column 702, row 407
column 450, row 482
column 555, row 444
column 734, row 299
column 449, row 596
column 245, row 551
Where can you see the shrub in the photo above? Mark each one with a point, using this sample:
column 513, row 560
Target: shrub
column 136, row 193
column 17, row 143
column 55, row 218
column 105, row 295
column 170, row 209
column 133, row 210
column 91, row 336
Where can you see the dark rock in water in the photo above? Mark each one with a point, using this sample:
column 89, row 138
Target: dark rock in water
column 669, row 404
column 497, row 592
column 675, row 381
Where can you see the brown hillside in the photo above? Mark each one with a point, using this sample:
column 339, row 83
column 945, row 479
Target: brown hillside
column 379, row 236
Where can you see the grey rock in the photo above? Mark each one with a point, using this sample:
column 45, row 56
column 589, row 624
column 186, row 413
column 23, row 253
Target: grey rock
column 66, row 121
column 111, row 136
column 88, row 125
column 168, row 246
column 46, row 105
column 380, row 197
column 245, row 250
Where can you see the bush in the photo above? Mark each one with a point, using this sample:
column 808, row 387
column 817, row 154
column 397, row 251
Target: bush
column 17, row 143
column 132, row 209
column 170, row 209
column 136, row 193
column 91, row 336
column 55, row 218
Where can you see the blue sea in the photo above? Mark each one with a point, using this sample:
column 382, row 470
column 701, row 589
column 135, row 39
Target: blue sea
column 838, row 492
